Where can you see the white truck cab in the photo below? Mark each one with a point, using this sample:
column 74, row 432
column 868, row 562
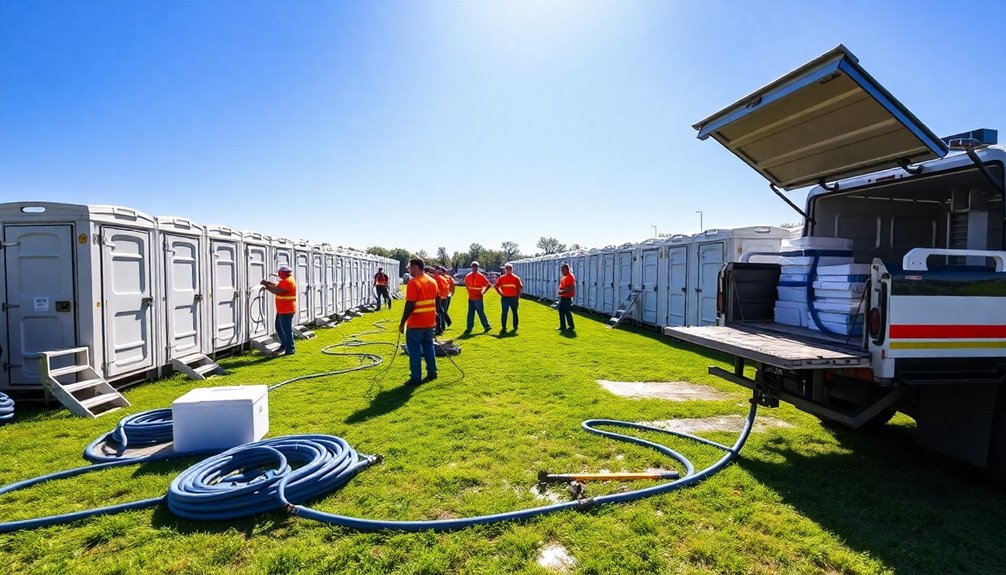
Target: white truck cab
column 923, row 215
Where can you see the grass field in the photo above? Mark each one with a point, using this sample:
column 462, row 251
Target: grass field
column 801, row 499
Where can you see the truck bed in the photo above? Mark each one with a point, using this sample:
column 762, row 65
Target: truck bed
column 776, row 344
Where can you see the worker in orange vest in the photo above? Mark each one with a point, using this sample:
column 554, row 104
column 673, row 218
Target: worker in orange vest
column 422, row 299
column 446, row 303
column 477, row 285
column 443, row 288
column 381, row 286
column 285, row 291
column 567, row 289
column 509, row 287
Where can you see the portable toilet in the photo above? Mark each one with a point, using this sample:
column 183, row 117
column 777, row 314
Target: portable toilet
column 258, row 264
column 330, row 281
column 318, row 286
column 184, row 288
column 715, row 248
column 673, row 302
column 226, row 287
column 606, row 281
column 625, row 256
column 302, row 274
column 344, row 265
column 593, row 273
column 77, row 276
column 282, row 255
column 648, row 264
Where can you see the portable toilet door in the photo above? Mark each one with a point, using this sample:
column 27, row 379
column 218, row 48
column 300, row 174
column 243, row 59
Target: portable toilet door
column 227, row 310
column 579, row 265
column 676, row 280
column 649, row 264
column 183, row 280
column 331, row 281
column 302, row 274
column 624, row 257
column 259, row 263
column 606, row 281
column 593, row 279
column 318, row 288
column 710, row 255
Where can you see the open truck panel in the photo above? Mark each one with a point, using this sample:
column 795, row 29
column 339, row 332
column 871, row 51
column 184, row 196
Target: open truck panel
column 928, row 224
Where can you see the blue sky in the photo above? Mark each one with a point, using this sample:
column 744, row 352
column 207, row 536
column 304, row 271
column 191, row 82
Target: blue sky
column 420, row 124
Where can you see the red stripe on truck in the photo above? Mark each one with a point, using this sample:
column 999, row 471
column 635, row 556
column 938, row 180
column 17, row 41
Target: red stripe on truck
column 948, row 331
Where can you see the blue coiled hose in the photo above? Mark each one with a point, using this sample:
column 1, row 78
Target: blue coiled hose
column 283, row 472
column 6, row 408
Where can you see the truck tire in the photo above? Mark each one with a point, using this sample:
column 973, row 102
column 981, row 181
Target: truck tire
column 997, row 442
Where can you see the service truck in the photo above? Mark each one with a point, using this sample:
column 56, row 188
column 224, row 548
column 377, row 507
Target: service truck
column 924, row 213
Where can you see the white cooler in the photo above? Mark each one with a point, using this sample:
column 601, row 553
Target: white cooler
column 220, row 417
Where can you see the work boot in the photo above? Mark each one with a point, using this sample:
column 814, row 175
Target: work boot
column 412, row 382
column 430, row 377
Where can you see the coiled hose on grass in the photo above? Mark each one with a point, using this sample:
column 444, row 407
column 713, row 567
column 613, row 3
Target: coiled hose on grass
column 286, row 472
column 6, row 408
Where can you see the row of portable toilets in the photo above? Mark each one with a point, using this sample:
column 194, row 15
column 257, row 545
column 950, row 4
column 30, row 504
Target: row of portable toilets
column 140, row 291
column 675, row 277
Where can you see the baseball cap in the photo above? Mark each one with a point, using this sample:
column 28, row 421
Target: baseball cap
column 475, row 263
column 285, row 268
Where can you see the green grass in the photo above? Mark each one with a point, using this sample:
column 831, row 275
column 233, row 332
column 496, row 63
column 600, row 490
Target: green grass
column 804, row 499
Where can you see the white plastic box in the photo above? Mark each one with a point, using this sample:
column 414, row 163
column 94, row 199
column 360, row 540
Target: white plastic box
column 220, row 417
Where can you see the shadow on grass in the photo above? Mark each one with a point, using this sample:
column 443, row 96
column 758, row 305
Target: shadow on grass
column 246, row 360
column 386, row 401
column 914, row 510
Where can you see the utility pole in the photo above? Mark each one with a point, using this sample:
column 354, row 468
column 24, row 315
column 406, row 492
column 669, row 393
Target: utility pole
column 702, row 228
column 654, row 231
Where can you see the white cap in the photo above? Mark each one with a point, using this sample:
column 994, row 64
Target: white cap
column 285, row 268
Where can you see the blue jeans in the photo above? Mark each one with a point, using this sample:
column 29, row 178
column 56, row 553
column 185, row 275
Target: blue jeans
column 477, row 305
column 382, row 293
column 419, row 343
column 284, row 331
column 565, row 312
column 443, row 320
column 509, row 303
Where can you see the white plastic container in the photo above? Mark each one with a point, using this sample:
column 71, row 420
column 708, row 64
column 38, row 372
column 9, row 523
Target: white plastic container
column 844, row 270
column 787, row 293
column 791, row 313
column 220, row 417
column 820, row 243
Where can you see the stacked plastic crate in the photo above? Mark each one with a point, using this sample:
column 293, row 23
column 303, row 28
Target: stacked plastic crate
column 838, row 299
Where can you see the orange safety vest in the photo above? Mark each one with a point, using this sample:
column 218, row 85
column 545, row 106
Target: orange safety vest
column 287, row 302
column 423, row 291
column 450, row 286
column 568, row 282
column 475, row 281
column 380, row 279
column 509, row 285
column 444, row 286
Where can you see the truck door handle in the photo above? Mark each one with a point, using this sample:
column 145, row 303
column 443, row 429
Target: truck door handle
column 698, row 289
column 148, row 300
column 684, row 290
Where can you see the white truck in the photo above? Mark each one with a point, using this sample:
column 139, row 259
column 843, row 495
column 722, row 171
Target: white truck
column 926, row 217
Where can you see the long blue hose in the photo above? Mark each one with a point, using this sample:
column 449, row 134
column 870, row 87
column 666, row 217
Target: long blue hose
column 6, row 408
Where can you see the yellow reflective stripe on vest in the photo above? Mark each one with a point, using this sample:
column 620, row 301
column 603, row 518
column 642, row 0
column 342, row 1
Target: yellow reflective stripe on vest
column 425, row 305
column 286, row 297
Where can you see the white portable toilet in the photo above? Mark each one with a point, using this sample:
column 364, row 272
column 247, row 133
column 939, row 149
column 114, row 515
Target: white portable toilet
column 77, row 276
column 606, row 281
column 675, row 280
column 625, row 281
column 259, row 264
column 356, row 275
column 344, row 264
column 184, row 287
column 303, row 276
column 715, row 248
column 318, row 286
column 282, row 255
column 648, row 264
column 330, row 281
column 592, row 300
column 578, row 267
column 226, row 289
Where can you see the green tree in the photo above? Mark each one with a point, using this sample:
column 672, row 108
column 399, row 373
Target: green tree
column 510, row 251
column 550, row 245
column 442, row 257
column 475, row 251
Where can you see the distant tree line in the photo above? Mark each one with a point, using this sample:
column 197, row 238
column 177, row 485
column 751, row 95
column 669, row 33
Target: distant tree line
column 489, row 259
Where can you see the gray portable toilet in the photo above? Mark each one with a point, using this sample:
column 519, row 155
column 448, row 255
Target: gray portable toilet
column 593, row 272
column 183, row 283
column 259, row 264
column 330, row 281
column 675, row 280
column 226, row 289
column 606, row 281
column 648, row 262
column 625, row 256
column 77, row 276
column 715, row 248
column 303, row 273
